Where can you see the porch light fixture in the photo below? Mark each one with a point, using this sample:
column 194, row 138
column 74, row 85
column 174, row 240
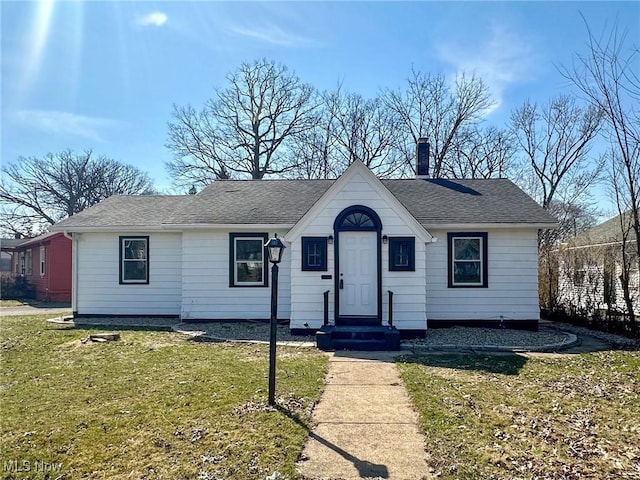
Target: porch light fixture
column 385, row 239
column 330, row 239
column 275, row 249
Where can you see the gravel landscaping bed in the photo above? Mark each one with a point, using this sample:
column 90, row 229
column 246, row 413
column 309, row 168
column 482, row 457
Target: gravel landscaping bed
column 247, row 330
column 551, row 333
column 458, row 336
column 487, row 337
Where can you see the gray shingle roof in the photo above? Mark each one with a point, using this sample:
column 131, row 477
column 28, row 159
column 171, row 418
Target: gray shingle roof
column 252, row 201
column 431, row 202
column 441, row 201
column 11, row 243
column 27, row 241
column 607, row 232
column 126, row 210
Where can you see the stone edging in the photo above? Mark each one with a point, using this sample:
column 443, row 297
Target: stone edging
column 203, row 334
column 570, row 340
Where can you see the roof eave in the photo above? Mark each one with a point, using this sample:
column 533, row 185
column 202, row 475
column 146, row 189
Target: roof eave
column 173, row 227
column 109, row 228
column 229, row 226
column 480, row 226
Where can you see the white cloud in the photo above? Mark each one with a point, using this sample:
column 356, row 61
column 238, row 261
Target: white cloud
column 504, row 59
column 272, row 34
column 154, row 18
column 66, row 123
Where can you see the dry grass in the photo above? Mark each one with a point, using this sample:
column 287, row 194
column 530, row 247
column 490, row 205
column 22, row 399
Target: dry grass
column 11, row 303
column 512, row 417
column 151, row 405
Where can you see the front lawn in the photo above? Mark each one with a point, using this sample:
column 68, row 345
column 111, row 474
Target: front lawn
column 151, row 405
column 514, row 417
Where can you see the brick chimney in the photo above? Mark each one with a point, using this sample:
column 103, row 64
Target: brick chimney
column 422, row 158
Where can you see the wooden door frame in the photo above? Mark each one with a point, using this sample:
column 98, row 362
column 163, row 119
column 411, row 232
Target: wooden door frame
column 341, row 224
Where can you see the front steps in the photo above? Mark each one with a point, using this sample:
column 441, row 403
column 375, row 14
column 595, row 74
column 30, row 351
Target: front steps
column 353, row 337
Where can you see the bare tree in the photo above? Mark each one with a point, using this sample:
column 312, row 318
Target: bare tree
column 316, row 149
column 607, row 75
column 245, row 128
column 555, row 141
column 481, row 153
column 365, row 130
column 627, row 253
column 431, row 108
column 194, row 143
column 573, row 218
column 38, row 192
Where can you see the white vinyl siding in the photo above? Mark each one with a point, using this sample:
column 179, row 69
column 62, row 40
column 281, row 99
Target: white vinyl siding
column 99, row 291
column 512, row 292
column 586, row 290
column 189, row 272
column 206, row 293
column 307, row 287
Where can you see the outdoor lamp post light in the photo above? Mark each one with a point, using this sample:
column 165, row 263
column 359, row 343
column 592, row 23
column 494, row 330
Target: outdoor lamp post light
column 275, row 249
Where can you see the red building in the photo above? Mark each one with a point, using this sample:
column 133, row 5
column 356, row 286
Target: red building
column 45, row 261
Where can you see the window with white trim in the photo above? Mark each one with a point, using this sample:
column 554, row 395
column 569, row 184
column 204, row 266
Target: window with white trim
column 467, row 256
column 134, row 260
column 247, row 266
column 42, row 262
column 27, row 263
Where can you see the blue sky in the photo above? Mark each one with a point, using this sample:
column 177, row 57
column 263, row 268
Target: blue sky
column 104, row 75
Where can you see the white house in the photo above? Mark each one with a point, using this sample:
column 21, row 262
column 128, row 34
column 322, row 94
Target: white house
column 591, row 267
column 448, row 251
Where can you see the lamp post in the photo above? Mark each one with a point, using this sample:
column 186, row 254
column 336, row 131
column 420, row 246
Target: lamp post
column 275, row 249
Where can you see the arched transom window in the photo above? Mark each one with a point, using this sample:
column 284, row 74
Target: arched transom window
column 358, row 218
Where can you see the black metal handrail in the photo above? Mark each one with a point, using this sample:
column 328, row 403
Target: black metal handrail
column 326, row 307
column 390, row 308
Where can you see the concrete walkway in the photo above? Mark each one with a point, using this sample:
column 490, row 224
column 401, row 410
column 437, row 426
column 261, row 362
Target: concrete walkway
column 365, row 426
column 37, row 309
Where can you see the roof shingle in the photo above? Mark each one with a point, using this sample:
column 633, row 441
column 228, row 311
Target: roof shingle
column 430, row 201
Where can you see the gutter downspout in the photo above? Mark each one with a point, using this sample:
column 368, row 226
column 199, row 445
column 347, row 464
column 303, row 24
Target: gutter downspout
column 74, row 271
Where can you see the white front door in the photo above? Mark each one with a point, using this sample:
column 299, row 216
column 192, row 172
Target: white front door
column 358, row 276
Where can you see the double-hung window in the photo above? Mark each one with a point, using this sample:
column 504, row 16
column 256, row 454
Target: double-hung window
column 134, row 260
column 247, row 260
column 467, row 256
column 314, row 254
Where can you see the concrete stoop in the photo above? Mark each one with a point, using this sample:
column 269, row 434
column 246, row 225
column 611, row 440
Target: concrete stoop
column 363, row 338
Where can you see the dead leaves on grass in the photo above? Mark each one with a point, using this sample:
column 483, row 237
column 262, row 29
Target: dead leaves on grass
column 559, row 419
column 290, row 403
